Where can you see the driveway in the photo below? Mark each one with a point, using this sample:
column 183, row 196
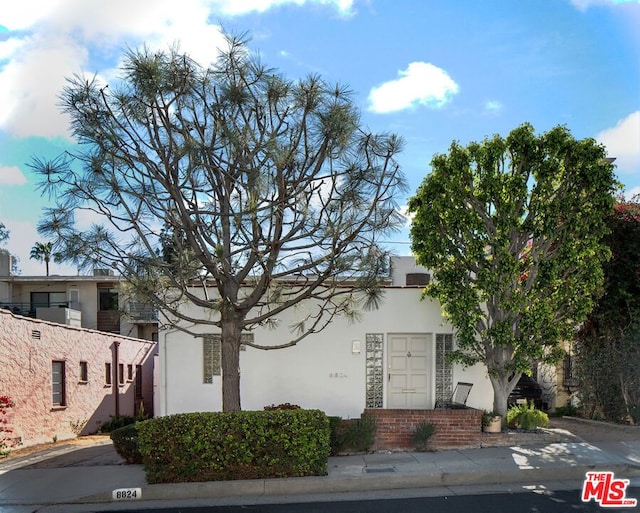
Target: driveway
column 595, row 432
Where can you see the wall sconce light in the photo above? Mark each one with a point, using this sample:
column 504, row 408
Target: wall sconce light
column 355, row 347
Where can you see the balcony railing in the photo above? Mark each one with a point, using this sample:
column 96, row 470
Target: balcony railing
column 142, row 312
column 108, row 320
column 29, row 309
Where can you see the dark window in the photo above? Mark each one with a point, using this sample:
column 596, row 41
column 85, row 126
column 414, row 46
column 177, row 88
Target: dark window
column 84, row 371
column 417, row 279
column 57, row 383
column 129, row 372
column 121, row 373
column 138, row 386
column 107, row 373
column 48, row 299
column 570, row 380
column 107, row 299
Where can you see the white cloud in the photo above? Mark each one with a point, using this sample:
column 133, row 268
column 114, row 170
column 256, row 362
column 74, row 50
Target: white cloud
column 9, row 47
column 28, row 13
column 31, row 82
column 235, row 7
column 55, row 38
column 56, row 43
column 631, row 193
column 403, row 210
column 421, row 83
column 492, row 106
column 585, row 4
column 623, row 143
column 11, row 175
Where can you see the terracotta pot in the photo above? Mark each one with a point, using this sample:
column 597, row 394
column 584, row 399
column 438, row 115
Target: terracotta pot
column 495, row 425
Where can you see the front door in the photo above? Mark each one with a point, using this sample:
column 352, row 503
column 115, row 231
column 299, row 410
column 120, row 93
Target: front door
column 409, row 369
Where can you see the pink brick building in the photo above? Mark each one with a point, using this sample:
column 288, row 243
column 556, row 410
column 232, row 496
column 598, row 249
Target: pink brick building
column 66, row 380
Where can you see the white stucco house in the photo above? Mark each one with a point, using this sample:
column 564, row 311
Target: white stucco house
column 393, row 358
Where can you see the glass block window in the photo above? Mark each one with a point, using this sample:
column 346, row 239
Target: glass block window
column 212, row 354
column 444, row 368
column 211, row 357
column 375, row 371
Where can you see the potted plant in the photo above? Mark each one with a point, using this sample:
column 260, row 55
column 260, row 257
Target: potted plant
column 491, row 422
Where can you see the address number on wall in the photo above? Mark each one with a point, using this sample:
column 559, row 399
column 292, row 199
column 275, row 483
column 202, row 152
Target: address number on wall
column 127, row 494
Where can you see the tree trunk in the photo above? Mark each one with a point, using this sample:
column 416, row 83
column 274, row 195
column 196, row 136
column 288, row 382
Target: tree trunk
column 231, row 333
column 502, row 387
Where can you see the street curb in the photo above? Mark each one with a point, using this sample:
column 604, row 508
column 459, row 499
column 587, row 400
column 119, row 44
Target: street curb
column 601, row 423
column 338, row 484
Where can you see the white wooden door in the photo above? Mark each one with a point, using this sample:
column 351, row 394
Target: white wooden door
column 409, row 371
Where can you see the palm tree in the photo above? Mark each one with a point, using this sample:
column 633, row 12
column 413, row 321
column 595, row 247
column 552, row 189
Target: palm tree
column 41, row 251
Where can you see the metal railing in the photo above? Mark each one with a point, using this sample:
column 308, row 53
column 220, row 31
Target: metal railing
column 29, row 309
column 141, row 312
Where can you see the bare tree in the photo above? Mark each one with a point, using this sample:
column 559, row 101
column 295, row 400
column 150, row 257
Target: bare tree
column 267, row 189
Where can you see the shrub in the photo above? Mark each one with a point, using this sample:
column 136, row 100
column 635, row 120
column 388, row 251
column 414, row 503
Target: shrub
column 125, row 442
column 488, row 416
column 421, row 435
column 234, row 445
column 283, row 406
column 525, row 416
column 77, row 425
column 5, row 404
column 336, row 440
column 568, row 410
column 357, row 435
column 116, row 422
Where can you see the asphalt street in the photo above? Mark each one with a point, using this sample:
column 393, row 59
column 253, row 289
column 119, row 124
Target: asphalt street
column 532, row 502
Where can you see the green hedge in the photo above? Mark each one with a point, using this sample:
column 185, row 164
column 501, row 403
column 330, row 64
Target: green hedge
column 238, row 445
column 125, row 442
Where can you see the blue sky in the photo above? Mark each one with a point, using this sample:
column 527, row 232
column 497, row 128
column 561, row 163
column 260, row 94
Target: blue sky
column 430, row 71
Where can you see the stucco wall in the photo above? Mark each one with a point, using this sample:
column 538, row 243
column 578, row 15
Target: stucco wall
column 27, row 349
column 322, row 371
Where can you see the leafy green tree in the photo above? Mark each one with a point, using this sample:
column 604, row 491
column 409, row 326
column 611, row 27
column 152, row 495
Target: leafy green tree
column 512, row 229
column 268, row 191
column 607, row 347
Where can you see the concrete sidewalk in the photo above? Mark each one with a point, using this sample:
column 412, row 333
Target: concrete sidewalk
column 25, row 488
